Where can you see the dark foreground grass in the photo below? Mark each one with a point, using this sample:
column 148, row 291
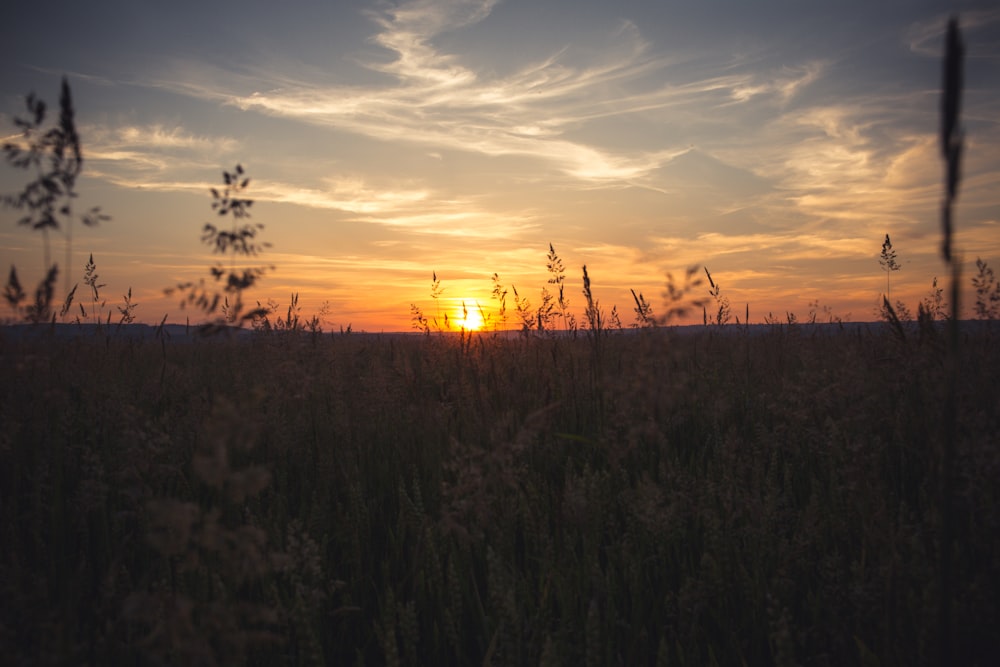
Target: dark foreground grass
column 626, row 500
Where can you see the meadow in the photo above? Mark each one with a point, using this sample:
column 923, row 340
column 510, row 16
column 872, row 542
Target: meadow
column 763, row 495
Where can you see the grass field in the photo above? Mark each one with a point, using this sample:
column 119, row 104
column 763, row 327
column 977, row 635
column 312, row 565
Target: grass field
column 619, row 499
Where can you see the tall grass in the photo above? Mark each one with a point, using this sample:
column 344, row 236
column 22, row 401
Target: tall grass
column 721, row 498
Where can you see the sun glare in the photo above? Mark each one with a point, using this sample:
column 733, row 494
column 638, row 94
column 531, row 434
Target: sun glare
column 468, row 317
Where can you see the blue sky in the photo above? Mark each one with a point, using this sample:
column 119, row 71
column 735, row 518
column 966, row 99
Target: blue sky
column 775, row 143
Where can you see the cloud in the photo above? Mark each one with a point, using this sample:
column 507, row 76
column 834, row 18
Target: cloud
column 158, row 136
column 126, row 154
column 460, row 224
column 349, row 194
column 927, row 37
column 540, row 109
column 419, row 211
column 408, row 29
column 782, row 85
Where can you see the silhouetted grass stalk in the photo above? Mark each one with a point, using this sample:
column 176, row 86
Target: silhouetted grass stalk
column 951, row 148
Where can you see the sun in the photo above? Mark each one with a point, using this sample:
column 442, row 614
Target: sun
column 468, row 318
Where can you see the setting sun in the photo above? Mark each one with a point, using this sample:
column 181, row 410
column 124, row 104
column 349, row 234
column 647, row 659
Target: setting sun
column 468, row 317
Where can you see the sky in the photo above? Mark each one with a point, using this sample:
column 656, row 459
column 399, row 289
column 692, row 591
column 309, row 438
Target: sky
column 775, row 143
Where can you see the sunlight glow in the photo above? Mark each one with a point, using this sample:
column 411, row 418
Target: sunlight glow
column 389, row 142
column 468, row 316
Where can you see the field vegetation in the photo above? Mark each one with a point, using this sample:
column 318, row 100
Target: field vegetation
column 647, row 498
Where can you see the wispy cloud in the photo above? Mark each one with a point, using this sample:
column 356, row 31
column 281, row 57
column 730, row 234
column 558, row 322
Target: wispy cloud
column 536, row 111
column 927, row 37
column 782, row 85
column 160, row 137
column 408, row 30
column 349, row 194
column 480, row 225
column 150, row 156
